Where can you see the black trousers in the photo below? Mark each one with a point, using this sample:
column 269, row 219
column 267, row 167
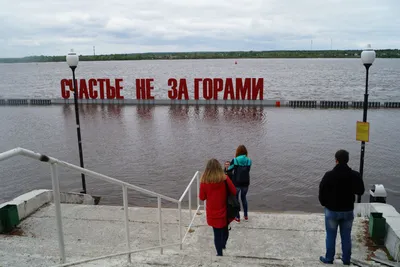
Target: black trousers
column 221, row 236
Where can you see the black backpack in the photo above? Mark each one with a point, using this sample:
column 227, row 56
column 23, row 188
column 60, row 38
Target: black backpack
column 241, row 174
column 233, row 205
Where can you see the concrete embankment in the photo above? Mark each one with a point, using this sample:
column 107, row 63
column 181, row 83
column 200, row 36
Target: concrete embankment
column 29, row 203
column 332, row 104
column 267, row 239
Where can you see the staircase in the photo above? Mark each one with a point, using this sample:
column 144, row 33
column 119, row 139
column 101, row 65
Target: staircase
column 69, row 233
column 267, row 239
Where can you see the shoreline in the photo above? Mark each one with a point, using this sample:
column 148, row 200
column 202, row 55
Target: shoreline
column 7, row 60
column 278, row 54
column 33, row 200
column 29, row 202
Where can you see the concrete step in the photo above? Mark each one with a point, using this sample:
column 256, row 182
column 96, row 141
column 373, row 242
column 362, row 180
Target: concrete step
column 183, row 260
column 268, row 239
column 151, row 259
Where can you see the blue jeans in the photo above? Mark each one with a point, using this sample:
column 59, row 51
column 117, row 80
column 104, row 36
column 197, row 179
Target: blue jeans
column 221, row 236
column 343, row 220
column 243, row 192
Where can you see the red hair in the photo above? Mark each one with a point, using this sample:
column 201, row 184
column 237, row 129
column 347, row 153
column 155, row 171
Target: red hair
column 241, row 150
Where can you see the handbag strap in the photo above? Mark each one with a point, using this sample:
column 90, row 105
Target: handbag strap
column 227, row 190
column 227, row 196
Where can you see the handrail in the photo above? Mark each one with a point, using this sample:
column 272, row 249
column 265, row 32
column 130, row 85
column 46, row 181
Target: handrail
column 188, row 191
column 56, row 197
column 189, row 185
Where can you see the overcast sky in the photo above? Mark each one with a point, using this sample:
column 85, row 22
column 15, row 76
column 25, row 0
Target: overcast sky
column 52, row 27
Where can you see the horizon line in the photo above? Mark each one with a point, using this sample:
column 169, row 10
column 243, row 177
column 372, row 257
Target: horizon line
column 190, row 52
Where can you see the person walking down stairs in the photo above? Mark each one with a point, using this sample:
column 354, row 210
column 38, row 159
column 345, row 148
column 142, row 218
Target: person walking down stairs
column 214, row 189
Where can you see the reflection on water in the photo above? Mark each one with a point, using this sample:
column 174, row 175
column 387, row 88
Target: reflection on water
column 243, row 113
column 160, row 148
column 211, row 113
column 145, row 112
column 178, row 112
column 216, row 113
column 94, row 111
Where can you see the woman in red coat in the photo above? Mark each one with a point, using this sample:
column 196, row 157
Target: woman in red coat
column 213, row 189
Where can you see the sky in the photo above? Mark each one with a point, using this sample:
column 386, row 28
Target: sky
column 53, row 27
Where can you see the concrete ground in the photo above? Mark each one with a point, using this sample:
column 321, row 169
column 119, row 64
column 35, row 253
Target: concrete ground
column 267, row 239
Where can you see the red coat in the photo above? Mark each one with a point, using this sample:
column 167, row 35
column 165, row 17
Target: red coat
column 216, row 197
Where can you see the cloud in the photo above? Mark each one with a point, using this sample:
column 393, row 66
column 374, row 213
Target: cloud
column 121, row 26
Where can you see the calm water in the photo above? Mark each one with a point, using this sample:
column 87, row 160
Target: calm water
column 319, row 79
column 160, row 148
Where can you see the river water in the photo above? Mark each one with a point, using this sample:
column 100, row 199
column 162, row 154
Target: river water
column 160, row 148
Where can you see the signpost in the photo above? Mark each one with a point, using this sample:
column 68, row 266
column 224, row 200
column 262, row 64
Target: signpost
column 362, row 132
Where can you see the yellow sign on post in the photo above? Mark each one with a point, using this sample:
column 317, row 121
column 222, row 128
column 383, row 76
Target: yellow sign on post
column 362, row 133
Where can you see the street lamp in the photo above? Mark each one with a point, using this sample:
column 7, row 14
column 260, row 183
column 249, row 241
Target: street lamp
column 367, row 57
column 72, row 61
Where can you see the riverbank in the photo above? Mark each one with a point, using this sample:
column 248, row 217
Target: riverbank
column 273, row 239
column 382, row 53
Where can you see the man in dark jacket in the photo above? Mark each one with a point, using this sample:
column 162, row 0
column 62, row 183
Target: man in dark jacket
column 230, row 172
column 337, row 192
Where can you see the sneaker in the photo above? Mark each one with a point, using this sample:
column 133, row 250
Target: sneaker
column 346, row 262
column 246, row 218
column 324, row 260
column 237, row 220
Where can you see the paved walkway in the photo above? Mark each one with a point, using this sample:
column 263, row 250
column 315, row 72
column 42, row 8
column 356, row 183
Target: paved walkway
column 268, row 239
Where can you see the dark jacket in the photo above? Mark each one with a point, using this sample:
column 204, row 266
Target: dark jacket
column 229, row 173
column 338, row 188
column 239, row 171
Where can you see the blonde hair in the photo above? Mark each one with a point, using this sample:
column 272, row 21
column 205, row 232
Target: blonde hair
column 213, row 173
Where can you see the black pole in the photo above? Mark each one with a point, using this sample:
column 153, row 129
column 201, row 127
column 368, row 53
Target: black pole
column 364, row 120
column 78, row 130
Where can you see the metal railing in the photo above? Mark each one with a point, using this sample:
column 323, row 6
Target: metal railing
column 188, row 191
column 54, row 163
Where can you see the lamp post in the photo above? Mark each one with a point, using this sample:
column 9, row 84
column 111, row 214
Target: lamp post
column 72, row 61
column 367, row 57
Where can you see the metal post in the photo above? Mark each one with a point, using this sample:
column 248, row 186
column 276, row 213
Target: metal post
column 364, row 120
column 180, row 223
column 78, row 129
column 198, row 190
column 190, row 203
column 126, row 217
column 56, row 199
column 160, row 235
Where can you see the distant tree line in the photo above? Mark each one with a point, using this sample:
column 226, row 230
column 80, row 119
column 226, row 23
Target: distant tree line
column 385, row 53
